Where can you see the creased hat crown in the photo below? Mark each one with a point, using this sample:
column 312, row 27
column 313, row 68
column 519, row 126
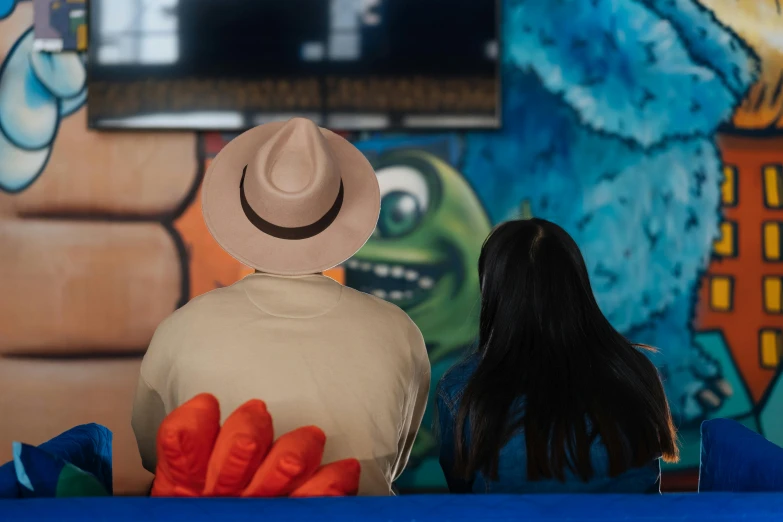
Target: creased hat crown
column 292, row 180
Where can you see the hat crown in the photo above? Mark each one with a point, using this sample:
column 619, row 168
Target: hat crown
column 293, row 180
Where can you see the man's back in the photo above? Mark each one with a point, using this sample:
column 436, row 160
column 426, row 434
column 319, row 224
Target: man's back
column 316, row 352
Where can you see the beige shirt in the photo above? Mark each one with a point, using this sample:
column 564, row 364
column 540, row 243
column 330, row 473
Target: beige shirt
column 315, row 352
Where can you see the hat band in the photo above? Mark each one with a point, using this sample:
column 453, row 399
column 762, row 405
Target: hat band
column 292, row 233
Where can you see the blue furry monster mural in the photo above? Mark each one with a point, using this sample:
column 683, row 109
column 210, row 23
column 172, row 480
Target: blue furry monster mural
column 610, row 111
column 612, row 136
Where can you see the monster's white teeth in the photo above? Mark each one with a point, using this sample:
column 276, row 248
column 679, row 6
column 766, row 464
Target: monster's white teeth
column 386, row 274
column 380, row 270
column 426, row 283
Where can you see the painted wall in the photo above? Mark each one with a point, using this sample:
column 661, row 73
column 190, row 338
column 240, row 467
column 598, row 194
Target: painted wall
column 652, row 130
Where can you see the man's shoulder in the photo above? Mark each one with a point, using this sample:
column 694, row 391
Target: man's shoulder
column 371, row 304
column 375, row 312
column 204, row 305
column 181, row 328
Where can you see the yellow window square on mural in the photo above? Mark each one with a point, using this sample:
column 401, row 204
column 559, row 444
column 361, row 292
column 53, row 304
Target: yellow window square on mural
column 773, row 294
column 728, row 188
column 726, row 244
column 773, row 185
column 721, row 293
column 772, row 241
column 770, row 347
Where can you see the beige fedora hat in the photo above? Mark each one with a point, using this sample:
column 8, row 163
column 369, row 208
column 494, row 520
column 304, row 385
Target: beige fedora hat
column 290, row 198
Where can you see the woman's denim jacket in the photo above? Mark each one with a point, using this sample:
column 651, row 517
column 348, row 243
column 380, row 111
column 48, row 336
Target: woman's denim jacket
column 512, row 465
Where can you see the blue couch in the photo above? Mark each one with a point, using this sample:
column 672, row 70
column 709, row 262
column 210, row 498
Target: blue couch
column 737, row 459
column 713, row 507
column 733, row 459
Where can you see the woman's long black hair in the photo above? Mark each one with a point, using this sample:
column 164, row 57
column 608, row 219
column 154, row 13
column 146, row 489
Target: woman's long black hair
column 553, row 366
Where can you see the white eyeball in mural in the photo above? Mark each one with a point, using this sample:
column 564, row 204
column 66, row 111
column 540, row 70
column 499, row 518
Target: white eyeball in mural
column 405, row 198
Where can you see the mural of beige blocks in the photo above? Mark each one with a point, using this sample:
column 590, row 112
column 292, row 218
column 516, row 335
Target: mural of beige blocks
column 90, row 264
column 72, row 287
column 41, row 398
column 120, row 174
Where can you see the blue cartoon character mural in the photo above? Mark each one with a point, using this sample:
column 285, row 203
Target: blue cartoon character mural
column 37, row 90
column 610, row 111
column 626, row 160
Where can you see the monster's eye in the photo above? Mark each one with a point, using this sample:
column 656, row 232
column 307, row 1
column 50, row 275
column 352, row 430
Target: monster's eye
column 404, row 200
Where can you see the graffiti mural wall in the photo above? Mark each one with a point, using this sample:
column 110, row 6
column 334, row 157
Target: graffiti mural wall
column 651, row 130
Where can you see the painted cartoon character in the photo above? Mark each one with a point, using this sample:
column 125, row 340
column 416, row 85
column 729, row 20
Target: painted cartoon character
column 85, row 217
column 423, row 256
column 624, row 160
column 52, row 87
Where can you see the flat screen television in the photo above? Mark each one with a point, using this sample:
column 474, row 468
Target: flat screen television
column 229, row 65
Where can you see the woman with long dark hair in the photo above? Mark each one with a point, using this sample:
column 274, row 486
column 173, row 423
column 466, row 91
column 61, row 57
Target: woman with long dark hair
column 554, row 399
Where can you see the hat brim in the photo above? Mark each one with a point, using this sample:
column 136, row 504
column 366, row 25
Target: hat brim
column 228, row 224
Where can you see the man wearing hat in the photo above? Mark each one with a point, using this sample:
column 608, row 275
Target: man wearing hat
column 291, row 200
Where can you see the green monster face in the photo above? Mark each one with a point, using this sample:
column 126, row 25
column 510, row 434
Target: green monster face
column 424, row 254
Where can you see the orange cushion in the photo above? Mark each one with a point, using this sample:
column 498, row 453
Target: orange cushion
column 185, row 441
column 337, row 479
column 241, row 446
column 294, row 457
column 196, row 457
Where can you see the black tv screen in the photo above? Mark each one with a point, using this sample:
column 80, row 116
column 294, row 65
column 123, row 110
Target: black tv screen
column 347, row 64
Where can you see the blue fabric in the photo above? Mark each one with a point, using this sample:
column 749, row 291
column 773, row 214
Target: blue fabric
column 88, row 447
column 512, row 465
column 37, row 472
column 711, row 507
column 8, row 485
column 42, row 475
column 735, row 458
